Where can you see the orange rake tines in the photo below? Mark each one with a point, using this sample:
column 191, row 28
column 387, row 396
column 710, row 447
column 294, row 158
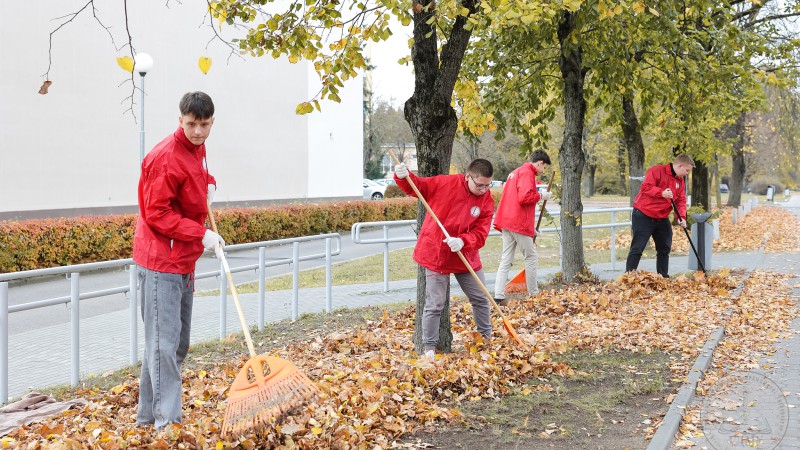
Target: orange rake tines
column 518, row 284
column 266, row 387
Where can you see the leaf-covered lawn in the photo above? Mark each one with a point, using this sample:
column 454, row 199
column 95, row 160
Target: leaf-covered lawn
column 375, row 389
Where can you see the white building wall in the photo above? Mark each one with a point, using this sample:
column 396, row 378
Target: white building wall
column 336, row 143
column 78, row 148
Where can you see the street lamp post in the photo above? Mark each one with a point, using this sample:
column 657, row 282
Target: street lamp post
column 144, row 62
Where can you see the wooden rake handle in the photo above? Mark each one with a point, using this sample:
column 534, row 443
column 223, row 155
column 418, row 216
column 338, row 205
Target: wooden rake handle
column 541, row 211
column 232, row 285
column 447, row 235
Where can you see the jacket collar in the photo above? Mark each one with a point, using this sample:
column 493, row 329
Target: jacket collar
column 185, row 142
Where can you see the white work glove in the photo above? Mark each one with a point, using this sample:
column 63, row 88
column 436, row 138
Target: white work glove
column 455, row 243
column 211, row 190
column 546, row 195
column 401, row 171
column 213, row 241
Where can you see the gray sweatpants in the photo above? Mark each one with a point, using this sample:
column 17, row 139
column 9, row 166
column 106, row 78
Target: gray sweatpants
column 166, row 301
column 436, row 295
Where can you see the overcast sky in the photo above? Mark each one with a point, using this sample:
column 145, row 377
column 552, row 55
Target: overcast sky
column 389, row 79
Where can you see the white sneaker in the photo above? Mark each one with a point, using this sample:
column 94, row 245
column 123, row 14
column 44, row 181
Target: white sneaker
column 430, row 354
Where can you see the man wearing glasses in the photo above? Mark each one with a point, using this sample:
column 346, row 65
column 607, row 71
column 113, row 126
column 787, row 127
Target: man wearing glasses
column 464, row 205
column 515, row 218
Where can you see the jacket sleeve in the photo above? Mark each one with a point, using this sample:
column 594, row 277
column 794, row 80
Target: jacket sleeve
column 475, row 237
column 649, row 186
column 159, row 195
column 526, row 190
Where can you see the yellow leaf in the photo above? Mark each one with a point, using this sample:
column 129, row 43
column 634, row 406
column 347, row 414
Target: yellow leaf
column 205, row 64
column 220, row 445
column 126, row 63
column 316, row 430
column 638, row 7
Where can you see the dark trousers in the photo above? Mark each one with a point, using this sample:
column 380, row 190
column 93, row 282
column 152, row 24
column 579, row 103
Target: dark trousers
column 642, row 228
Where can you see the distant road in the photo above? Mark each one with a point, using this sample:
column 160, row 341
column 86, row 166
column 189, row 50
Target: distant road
column 53, row 287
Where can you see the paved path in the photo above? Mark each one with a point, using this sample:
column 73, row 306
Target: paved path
column 759, row 408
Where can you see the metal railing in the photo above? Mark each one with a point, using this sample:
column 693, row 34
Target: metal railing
column 73, row 299
column 359, row 227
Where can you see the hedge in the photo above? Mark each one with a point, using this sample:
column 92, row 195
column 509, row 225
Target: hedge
column 41, row 243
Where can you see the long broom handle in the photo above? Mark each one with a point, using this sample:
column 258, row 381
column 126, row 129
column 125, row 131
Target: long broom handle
column 675, row 207
column 227, row 268
column 447, row 235
column 544, row 202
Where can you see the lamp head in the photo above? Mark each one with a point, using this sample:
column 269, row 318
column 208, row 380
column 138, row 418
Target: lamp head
column 143, row 63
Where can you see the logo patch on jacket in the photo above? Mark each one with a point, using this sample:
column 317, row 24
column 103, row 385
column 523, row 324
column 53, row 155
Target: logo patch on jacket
column 474, row 211
column 676, row 185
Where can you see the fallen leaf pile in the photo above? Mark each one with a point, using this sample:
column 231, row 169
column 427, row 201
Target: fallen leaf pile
column 779, row 227
column 374, row 389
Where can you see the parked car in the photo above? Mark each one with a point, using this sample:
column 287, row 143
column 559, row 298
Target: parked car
column 384, row 181
column 723, row 188
column 373, row 190
column 497, row 183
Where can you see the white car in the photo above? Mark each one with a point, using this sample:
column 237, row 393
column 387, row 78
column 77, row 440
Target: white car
column 373, row 190
column 384, row 181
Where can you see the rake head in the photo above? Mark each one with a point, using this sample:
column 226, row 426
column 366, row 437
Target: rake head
column 265, row 389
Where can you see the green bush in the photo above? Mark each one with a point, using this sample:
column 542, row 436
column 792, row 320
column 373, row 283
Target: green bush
column 394, row 191
column 41, row 243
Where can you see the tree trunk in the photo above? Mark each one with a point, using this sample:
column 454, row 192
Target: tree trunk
column 623, row 185
column 632, row 137
column 737, row 173
column 570, row 157
column 589, row 171
column 700, row 185
column 433, row 122
column 714, row 185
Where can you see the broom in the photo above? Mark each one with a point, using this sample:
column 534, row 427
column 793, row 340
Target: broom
column 506, row 324
column 266, row 387
column 519, row 284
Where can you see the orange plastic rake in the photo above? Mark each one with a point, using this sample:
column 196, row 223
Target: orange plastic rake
column 506, row 324
column 266, row 387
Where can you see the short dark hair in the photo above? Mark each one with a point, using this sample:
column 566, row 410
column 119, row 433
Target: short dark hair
column 198, row 104
column 481, row 168
column 541, row 155
column 684, row 159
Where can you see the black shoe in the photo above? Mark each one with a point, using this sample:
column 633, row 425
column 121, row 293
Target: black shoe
column 502, row 301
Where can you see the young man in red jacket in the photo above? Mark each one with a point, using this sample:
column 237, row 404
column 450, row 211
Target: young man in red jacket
column 516, row 219
column 464, row 205
column 662, row 185
column 174, row 187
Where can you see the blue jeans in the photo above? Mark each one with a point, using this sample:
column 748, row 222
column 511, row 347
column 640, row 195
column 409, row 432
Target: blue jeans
column 166, row 301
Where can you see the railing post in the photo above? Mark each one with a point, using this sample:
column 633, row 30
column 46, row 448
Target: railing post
column 385, row 259
column 328, row 277
column 262, row 285
column 613, row 240
column 75, row 325
column 295, row 278
column 132, row 297
column 223, row 302
column 3, row 343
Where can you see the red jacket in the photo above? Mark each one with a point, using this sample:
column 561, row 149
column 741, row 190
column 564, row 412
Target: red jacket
column 173, row 188
column 463, row 214
column 649, row 199
column 517, row 209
